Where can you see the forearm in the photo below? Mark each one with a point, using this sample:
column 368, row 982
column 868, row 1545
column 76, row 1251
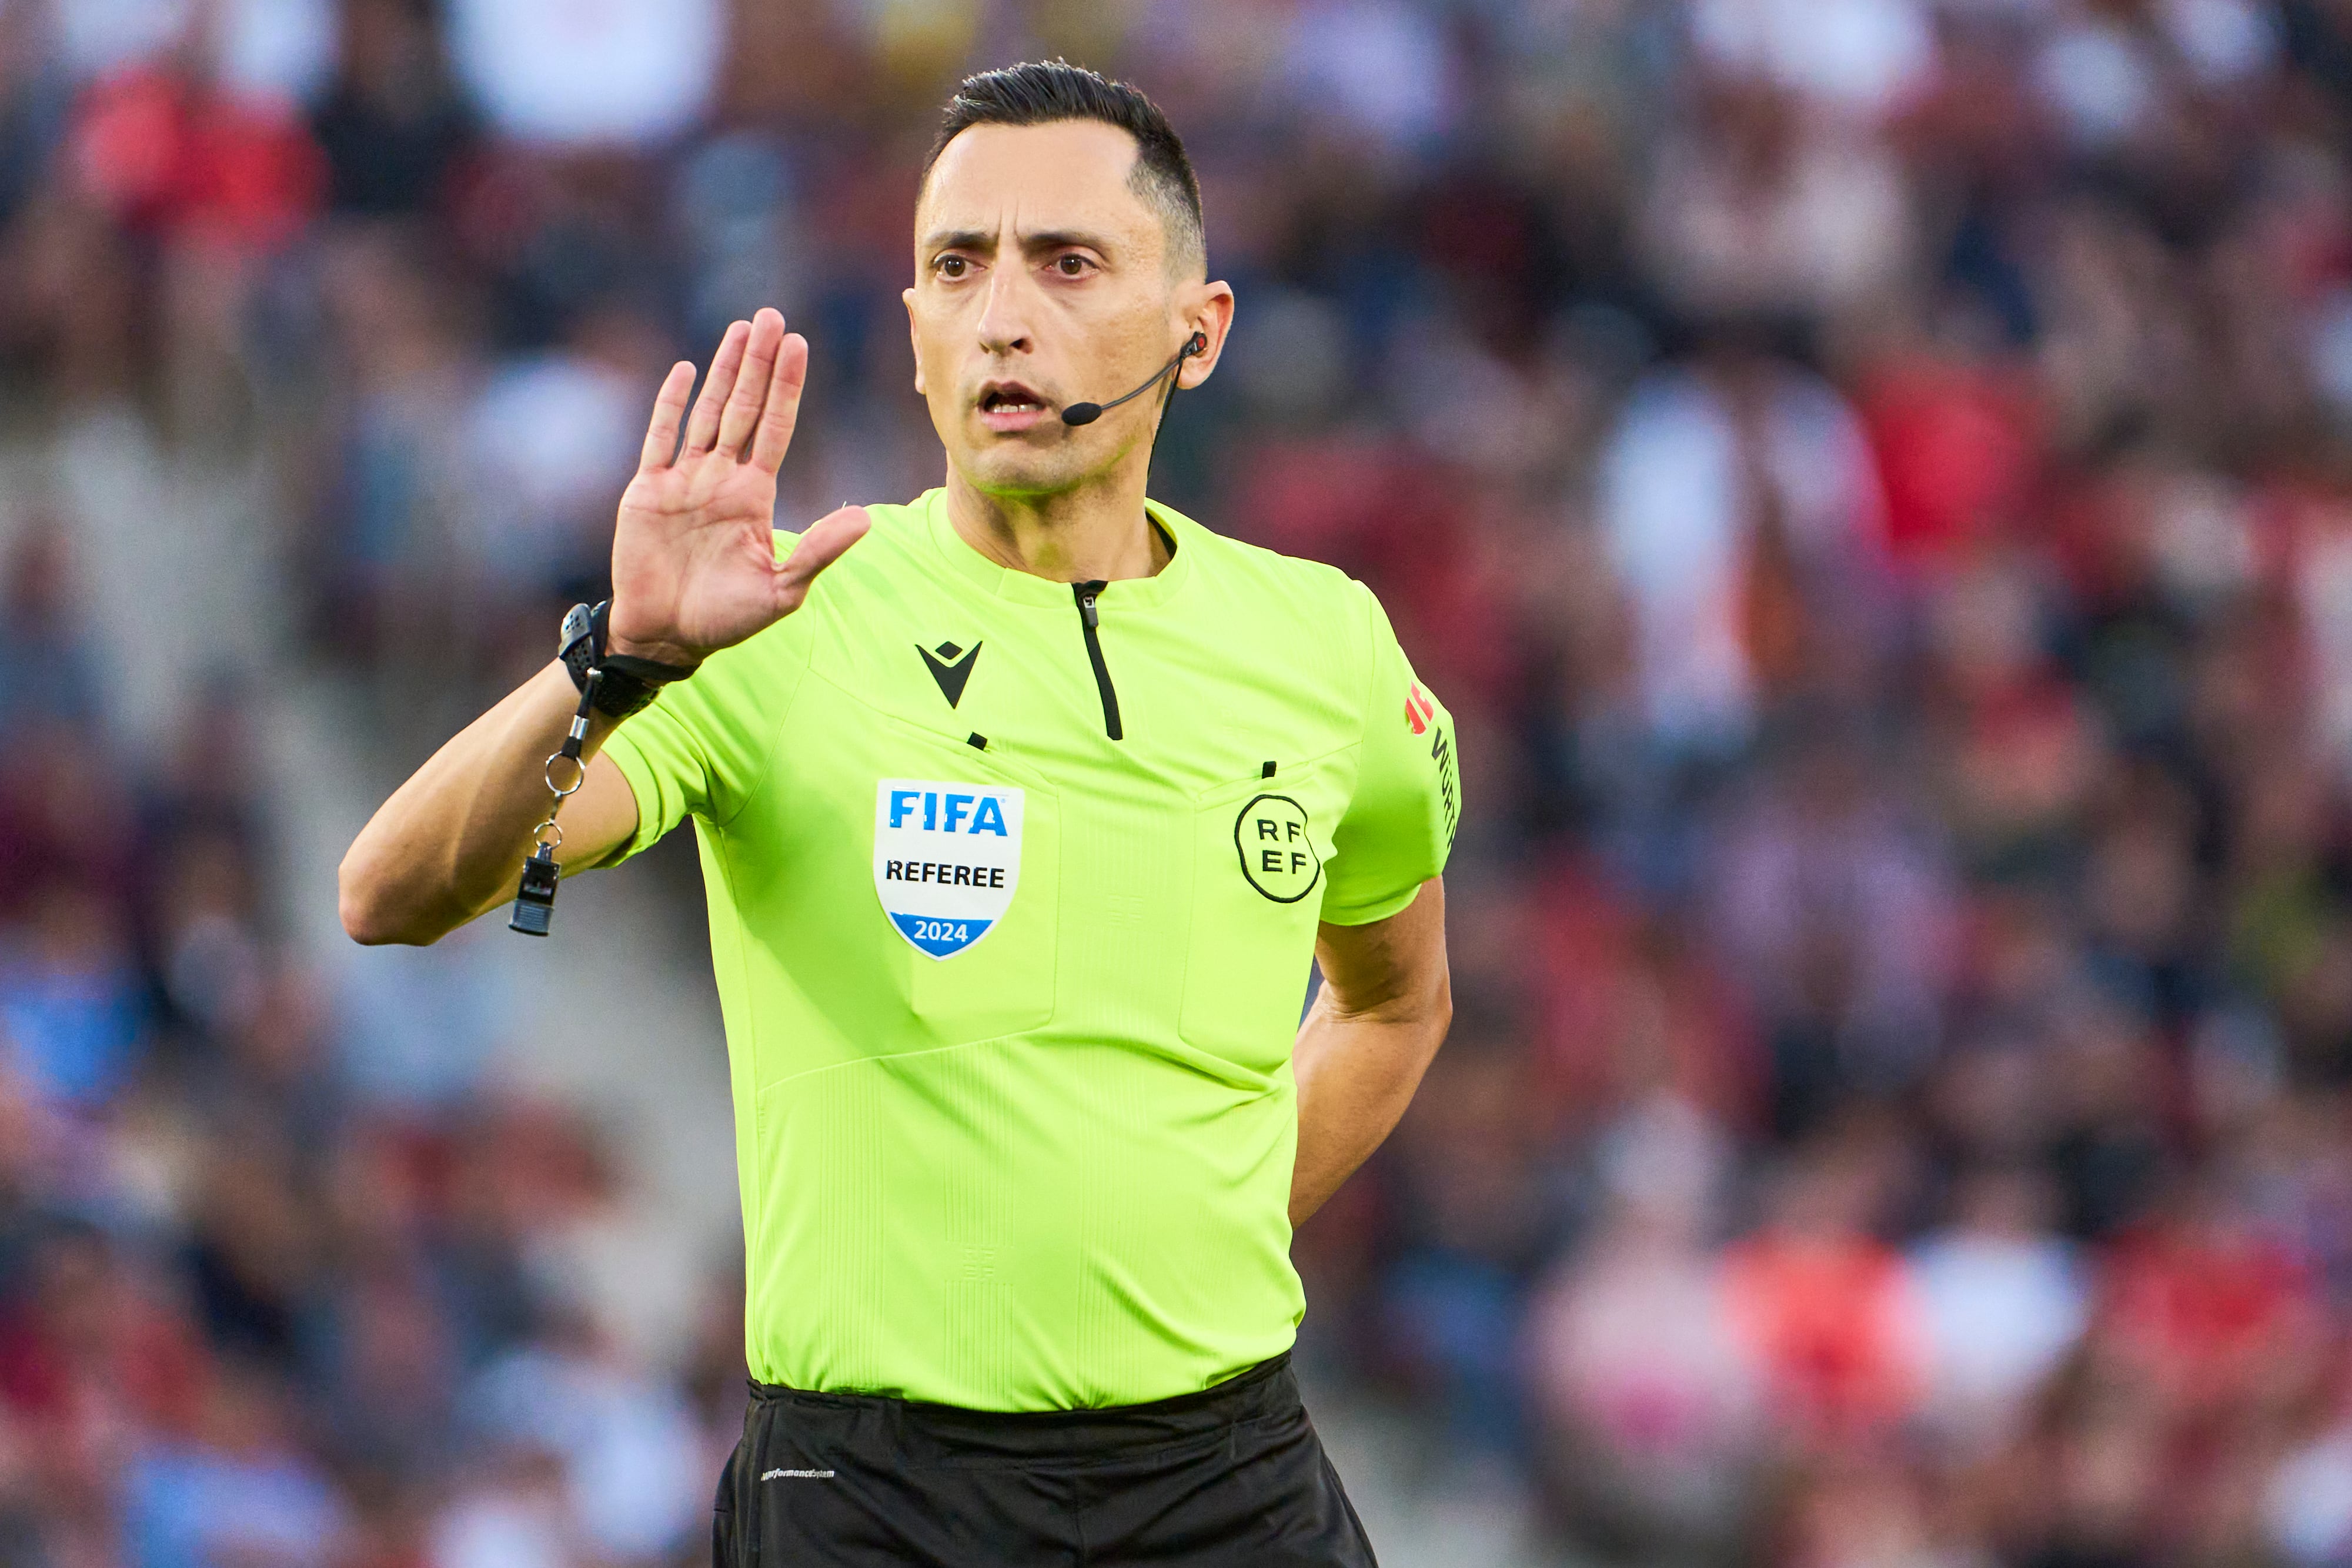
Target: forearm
column 1356, row 1074
column 451, row 841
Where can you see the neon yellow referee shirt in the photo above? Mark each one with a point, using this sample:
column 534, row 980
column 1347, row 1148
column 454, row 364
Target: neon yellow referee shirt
column 1014, row 888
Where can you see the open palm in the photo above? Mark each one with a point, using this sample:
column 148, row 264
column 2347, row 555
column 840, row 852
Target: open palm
column 694, row 562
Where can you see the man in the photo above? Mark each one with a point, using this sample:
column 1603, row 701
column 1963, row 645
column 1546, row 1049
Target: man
column 1022, row 810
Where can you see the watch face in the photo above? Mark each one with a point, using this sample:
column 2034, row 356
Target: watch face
column 576, row 624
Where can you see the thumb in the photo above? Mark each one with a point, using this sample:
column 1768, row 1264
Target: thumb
column 826, row 541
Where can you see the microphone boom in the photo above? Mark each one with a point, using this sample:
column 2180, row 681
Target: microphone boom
column 1087, row 412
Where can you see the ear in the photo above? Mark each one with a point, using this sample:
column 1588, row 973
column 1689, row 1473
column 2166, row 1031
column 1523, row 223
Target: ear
column 915, row 343
column 1208, row 310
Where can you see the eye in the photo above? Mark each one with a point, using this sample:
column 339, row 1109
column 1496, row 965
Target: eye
column 1070, row 263
column 951, row 266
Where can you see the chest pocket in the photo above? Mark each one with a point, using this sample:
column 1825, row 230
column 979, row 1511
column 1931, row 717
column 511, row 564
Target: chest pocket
column 948, row 858
column 1261, row 849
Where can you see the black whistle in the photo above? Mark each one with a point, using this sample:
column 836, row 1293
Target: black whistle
column 535, row 905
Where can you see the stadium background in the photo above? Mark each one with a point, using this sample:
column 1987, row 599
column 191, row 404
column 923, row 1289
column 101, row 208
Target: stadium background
column 1874, row 478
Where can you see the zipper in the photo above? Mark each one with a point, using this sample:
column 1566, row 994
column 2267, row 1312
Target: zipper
column 1089, row 620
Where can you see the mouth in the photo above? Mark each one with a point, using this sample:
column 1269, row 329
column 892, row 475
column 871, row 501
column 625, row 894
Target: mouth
column 1012, row 405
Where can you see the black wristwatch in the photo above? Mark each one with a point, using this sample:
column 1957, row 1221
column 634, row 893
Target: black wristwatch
column 629, row 684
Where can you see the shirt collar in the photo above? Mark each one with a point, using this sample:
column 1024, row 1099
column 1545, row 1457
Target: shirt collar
column 1024, row 587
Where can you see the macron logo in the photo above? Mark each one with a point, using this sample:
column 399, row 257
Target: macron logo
column 951, row 678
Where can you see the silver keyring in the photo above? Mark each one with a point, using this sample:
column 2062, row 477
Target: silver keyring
column 579, row 778
column 538, row 835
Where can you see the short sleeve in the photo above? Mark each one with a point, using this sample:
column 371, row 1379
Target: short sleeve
column 1398, row 825
column 702, row 748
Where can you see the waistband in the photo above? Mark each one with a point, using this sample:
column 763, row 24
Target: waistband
column 1266, row 1389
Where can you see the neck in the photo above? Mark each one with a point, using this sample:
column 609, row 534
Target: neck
column 1095, row 533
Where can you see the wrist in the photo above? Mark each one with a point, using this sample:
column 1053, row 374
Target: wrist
column 668, row 653
column 625, row 680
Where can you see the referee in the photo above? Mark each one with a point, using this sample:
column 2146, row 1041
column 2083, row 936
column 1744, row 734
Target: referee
column 1022, row 807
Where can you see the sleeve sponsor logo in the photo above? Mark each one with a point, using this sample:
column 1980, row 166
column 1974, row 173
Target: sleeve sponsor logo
column 1276, row 848
column 1449, row 786
column 1420, row 708
column 946, row 860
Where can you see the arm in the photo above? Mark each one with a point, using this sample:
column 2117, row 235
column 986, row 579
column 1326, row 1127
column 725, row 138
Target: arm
column 1374, row 1028
column 450, row 844
column 694, row 571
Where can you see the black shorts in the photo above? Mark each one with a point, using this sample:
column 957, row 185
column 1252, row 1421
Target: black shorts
column 1231, row 1475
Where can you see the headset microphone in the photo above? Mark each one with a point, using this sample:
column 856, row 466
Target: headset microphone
column 1087, row 412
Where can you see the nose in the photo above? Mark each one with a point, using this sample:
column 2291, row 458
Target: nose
column 1003, row 324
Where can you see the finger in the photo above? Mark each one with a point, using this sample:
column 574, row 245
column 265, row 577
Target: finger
column 741, row 413
column 703, row 428
column 782, row 412
column 743, row 410
column 826, row 541
column 669, row 407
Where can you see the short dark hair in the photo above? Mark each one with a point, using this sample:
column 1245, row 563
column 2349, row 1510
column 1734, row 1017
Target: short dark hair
column 1045, row 92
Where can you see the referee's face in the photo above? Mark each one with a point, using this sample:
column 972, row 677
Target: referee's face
column 1043, row 279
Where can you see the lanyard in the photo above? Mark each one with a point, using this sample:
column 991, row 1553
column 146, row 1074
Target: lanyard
column 534, row 906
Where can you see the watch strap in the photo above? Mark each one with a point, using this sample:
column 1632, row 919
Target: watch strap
column 628, row 683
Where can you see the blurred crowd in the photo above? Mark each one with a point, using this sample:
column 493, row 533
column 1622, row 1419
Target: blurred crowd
column 285, row 1278
column 1872, row 478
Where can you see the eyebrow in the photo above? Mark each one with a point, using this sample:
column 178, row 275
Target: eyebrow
column 1031, row 244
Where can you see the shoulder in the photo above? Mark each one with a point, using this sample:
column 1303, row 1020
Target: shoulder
column 1243, row 570
column 1307, row 613
column 1309, row 596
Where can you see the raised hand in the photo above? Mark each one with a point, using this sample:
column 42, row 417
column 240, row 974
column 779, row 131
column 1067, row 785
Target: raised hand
column 694, row 562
